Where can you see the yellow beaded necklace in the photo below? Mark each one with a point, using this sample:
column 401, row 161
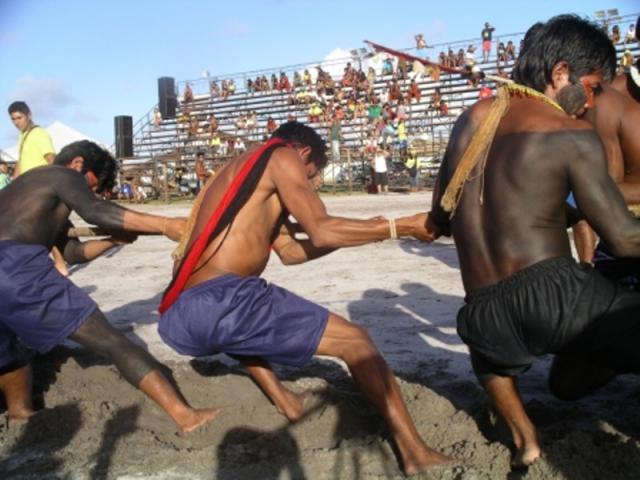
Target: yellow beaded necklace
column 515, row 89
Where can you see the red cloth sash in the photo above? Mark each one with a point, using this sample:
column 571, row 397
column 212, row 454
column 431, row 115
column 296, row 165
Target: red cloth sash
column 193, row 255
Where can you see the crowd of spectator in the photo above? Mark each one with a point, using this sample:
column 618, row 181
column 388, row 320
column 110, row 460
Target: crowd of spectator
column 376, row 104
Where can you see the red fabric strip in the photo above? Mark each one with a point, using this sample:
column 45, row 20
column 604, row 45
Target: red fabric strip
column 199, row 246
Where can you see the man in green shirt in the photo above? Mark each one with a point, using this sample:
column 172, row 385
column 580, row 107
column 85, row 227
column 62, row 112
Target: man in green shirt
column 35, row 146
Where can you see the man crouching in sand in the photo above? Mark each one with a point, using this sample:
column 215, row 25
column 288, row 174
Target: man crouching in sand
column 218, row 303
column 40, row 308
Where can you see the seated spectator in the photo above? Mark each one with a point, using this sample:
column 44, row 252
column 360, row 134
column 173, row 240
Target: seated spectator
column 501, row 55
column 434, row 73
column 485, row 92
column 470, row 56
column 363, row 86
column 297, row 80
column 213, row 123
column 275, row 84
column 252, row 122
column 615, row 34
column 450, row 60
column 231, row 146
column 395, row 94
column 371, row 75
column 414, row 92
column 402, row 70
column 215, row 143
column 630, row 36
column 348, row 76
column 401, row 111
column 438, row 104
column 442, row 59
column 315, row 112
column 240, row 147
column 214, row 89
column 460, row 58
column 374, row 111
column 241, row 122
column 5, row 179
column 303, row 96
column 271, row 125
column 231, row 86
column 306, row 77
column 283, row 84
column 626, row 61
column 188, row 94
column 225, row 90
column 249, row 86
column 193, row 127
column 387, row 66
column 510, row 51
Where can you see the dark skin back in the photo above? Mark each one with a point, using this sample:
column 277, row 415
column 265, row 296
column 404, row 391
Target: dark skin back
column 36, row 207
column 518, row 218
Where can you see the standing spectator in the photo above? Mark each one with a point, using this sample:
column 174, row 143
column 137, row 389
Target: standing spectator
column 215, row 89
column 414, row 91
column 35, row 150
column 201, row 172
column 188, row 94
column 626, row 61
column 487, row 34
column 421, row 43
column 401, row 132
column 271, row 125
column 35, row 146
column 502, row 54
column 510, row 51
column 157, row 117
column 4, row 174
column 412, row 163
column 336, row 136
column 615, row 35
column 380, row 169
column 630, row 36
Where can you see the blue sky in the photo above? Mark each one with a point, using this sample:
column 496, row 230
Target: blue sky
column 85, row 61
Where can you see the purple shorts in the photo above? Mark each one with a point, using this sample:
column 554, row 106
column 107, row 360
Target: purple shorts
column 39, row 307
column 244, row 316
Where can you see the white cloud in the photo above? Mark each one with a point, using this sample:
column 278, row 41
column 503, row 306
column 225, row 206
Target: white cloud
column 46, row 97
column 83, row 116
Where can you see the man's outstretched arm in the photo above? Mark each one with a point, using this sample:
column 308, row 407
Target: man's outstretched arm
column 72, row 189
column 325, row 231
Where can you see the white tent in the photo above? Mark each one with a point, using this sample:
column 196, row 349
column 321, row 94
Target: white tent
column 61, row 135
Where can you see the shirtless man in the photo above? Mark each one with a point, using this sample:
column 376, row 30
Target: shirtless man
column 226, row 307
column 616, row 118
column 40, row 307
column 526, row 296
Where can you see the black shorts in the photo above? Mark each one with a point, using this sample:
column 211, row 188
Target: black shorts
column 625, row 271
column 554, row 306
column 382, row 178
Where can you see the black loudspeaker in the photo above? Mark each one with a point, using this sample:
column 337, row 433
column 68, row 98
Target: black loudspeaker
column 124, row 136
column 167, row 98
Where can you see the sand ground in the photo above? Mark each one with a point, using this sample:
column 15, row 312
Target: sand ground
column 95, row 426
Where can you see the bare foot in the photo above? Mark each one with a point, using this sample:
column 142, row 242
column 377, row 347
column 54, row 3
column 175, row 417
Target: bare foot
column 197, row 418
column 18, row 417
column 292, row 406
column 524, row 458
column 426, row 460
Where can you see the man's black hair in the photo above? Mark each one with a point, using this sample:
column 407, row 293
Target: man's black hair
column 96, row 159
column 582, row 44
column 19, row 106
column 298, row 133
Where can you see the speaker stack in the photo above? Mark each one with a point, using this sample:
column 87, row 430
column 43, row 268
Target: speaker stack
column 167, row 98
column 124, row 136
